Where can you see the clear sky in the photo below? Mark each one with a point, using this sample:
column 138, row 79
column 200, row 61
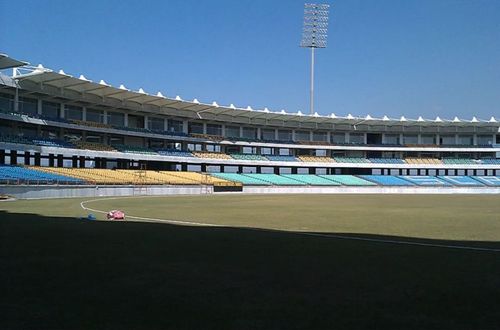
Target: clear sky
column 394, row 57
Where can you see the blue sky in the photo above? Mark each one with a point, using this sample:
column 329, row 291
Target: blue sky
column 394, row 57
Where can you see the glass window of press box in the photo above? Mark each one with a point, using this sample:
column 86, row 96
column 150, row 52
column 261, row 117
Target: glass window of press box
column 484, row 140
column 73, row 112
column 267, row 134
column 428, row 139
column 135, row 121
column 337, row 138
column 175, row 126
column 116, row 119
column 302, row 136
column 357, row 138
column 466, row 140
column 410, row 139
column 27, row 105
column 6, row 102
column 96, row 116
column 232, row 131
column 196, row 128
column 320, row 137
column 249, row 132
column 284, row 135
column 391, row 139
column 214, row 129
column 51, row 109
column 447, row 139
column 156, row 124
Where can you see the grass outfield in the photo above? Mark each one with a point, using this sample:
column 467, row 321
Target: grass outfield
column 452, row 217
column 57, row 272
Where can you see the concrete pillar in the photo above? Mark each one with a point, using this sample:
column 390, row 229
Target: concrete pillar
column 105, row 117
column 16, row 100
column 204, row 128
column 125, row 120
column 146, row 118
column 84, row 114
column 61, row 112
column 38, row 107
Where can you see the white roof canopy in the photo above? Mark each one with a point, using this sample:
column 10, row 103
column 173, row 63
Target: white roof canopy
column 68, row 86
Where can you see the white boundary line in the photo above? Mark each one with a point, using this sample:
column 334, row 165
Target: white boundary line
column 352, row 238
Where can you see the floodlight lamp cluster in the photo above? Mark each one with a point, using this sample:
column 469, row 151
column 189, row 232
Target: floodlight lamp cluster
column 315, row 28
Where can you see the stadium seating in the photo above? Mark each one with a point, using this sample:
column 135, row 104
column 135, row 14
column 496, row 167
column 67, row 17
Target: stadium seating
column 101, row 176
column 316, row 159
column 52, row 143
column 14, row 139
column 312, row 180
column 386, row 160
column 278, row 158
column 387, row 180
column 458, row 161
column 276, row 179
column 420, row 161
column 353, row 160
column 16, row 174
column 425, row 180
column 489, row 180
column 211, row 155
column 174, row 153
column 348, row 180
column 90, row 123
column 134, row 149
column 215, row 138
column 246, row 180
column 93, row 146
column 195, row 178
column 490, row 161
column 248, row 157
column 461, row 180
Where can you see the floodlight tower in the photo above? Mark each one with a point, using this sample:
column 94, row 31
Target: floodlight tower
column 314, row 34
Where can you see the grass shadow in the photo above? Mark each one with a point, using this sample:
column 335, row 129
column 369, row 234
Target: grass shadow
column 64, row 273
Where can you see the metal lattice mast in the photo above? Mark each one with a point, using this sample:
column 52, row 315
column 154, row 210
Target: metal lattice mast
column 314, row 35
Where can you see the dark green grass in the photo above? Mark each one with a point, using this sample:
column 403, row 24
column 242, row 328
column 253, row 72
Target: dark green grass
column 57, row 272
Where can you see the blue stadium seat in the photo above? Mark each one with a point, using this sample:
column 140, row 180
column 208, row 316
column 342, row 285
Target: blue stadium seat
column 16, row 174
column 425, row 180
column 387, row 180
column 461, row 180
column 489, row 180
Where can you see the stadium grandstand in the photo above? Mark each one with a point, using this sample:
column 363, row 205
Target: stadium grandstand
column 59, row 129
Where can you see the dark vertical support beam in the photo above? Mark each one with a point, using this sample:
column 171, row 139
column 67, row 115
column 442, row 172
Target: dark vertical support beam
column 312, row 170
column 2, row 156
column 26, row 158
column 74, row 161
column 13, row 157
column 204, row 168
column 60, row 162
column 294, row 170
column 82, row 162
column 258, row 169
column 184, row 167
column 37, row 159
column 51, row 160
